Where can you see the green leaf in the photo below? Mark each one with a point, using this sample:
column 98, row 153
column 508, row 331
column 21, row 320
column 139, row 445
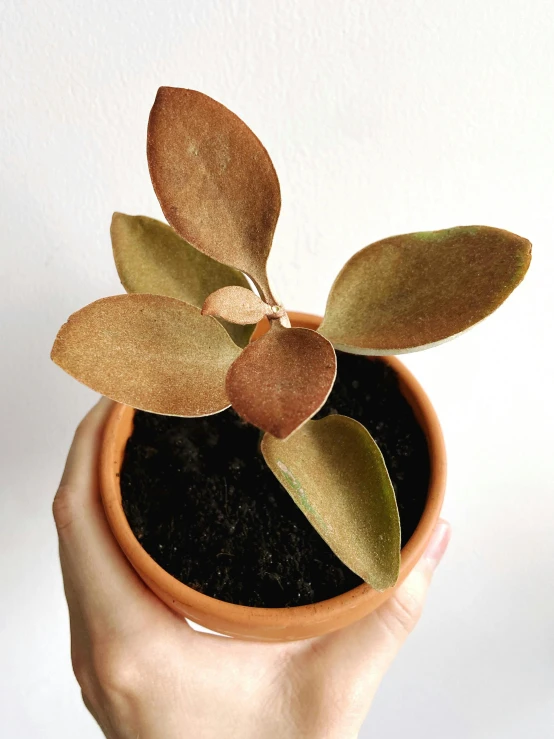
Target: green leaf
column 411, row 292
column 150, row 352
column 215, row 181
column 282, row 379
column 336, row 475
column 151, row 258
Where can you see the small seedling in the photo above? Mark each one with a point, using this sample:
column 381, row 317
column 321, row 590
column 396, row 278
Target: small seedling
column 179, row 342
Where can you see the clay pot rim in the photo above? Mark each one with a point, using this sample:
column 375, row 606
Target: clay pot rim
column 248, row 616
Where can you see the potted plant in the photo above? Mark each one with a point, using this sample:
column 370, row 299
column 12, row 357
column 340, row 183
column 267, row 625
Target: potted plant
column 203, row 504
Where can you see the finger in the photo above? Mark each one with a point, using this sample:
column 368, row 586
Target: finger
column 79, row 464
column 100, row 583
column 370, row 645
column 396, row 618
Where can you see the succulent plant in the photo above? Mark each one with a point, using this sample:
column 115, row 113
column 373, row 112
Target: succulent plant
column 178, row 342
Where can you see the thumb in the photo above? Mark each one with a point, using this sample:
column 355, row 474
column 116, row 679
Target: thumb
column 390, row 624
column 368, row 646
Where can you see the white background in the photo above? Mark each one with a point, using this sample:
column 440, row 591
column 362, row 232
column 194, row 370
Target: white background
column 381, row 118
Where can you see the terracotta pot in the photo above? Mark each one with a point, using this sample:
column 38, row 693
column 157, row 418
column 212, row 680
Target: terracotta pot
column 270, row 624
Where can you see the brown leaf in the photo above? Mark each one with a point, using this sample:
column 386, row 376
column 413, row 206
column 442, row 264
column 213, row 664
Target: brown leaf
column 215, row 181
column 237, row 305
column 151, row 258
column 336, row 475
column 151, row 352
column 282, row 379
column 410, row 292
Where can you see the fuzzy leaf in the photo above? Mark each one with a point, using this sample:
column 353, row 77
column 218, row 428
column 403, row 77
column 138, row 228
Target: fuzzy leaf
column 410, row 292
column 150, row 352
column 237, row 305
column 151, row 258
column 214, row 180
column 282, row 379
column 336, row 475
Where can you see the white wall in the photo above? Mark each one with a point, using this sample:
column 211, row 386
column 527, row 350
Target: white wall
column 382, row 118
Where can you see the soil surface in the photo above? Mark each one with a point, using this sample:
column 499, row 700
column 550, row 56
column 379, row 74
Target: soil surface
column 202, row 502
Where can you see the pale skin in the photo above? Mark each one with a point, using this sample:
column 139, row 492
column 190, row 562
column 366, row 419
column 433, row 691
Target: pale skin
column 145, row 673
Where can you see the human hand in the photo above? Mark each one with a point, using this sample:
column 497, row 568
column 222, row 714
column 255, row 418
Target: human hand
column 144, row 672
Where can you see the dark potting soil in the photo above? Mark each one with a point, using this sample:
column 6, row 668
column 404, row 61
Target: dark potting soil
column 202, row 502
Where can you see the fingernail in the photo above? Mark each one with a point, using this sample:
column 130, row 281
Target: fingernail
column 438, row 543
